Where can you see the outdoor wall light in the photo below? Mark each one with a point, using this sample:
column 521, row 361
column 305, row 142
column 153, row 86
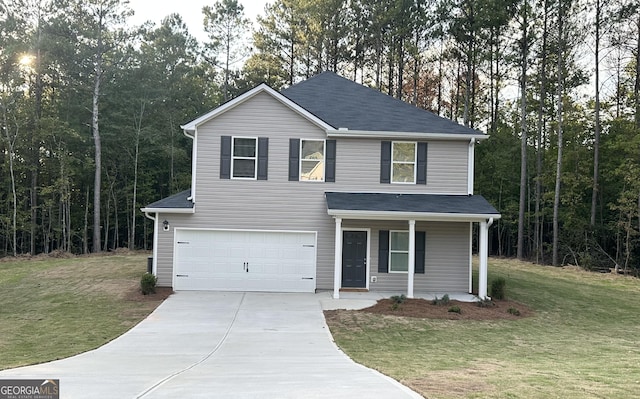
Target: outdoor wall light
column 165, row 225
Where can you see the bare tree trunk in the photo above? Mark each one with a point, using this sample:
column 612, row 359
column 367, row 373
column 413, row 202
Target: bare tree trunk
column 85, row 232
column 539, row 139
column 138, row 127
column 556, row 199
column 636, row 88
column 523, row 138
column 97, row 179
column 11, row 141
column 596, row 143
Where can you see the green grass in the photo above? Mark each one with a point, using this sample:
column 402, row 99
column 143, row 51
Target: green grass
column 581, row 342
column 54, row 308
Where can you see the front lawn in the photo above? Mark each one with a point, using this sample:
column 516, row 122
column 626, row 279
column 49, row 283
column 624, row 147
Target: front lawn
column 581, row 341
column 52, row 308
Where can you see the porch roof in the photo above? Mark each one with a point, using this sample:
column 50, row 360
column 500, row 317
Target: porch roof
column 391, row 206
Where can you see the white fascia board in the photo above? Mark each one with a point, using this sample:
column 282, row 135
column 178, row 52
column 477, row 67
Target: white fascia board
column 422, row 216
column 344, row 133
column 191, row 126
column 169, row 210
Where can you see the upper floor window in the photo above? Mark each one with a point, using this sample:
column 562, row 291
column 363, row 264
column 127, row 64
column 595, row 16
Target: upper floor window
column 312, row 160
column 244, row 160
column 403, row 162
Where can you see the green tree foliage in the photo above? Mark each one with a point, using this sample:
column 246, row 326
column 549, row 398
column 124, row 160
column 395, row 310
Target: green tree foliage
column 500, row 66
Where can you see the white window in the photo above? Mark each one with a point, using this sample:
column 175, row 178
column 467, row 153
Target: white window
column 244, row 158
column 312, row 153
column 403, row 162
column 398, row 251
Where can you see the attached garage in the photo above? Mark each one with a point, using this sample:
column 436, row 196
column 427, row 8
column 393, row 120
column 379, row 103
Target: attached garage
column 244, row 260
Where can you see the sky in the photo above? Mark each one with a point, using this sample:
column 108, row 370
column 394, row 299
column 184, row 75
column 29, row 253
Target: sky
column 190, row 10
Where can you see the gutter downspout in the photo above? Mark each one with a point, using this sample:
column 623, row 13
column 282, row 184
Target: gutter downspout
column 470, row 166
column 155, row 242
column 193, row 165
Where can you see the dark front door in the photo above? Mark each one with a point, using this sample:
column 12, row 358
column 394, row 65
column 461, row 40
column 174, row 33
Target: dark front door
column 354, row 259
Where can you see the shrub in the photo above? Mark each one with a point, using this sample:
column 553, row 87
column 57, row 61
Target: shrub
column 442, row 301
column 397, row 300
column 514, row 311
column 148, row 284
column 497, row 288
column 485, row 303
column 455, row 309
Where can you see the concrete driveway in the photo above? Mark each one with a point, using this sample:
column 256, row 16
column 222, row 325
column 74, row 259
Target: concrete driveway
column 221, row 345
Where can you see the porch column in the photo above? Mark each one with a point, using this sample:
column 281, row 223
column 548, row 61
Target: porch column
column 483, row 250
column 412, row 257
column 337, row 272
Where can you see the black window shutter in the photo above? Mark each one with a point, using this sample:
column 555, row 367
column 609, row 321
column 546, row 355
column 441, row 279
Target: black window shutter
column 383, row 251
column 294, row 159
column 330, row 165
column 422, row 164
column 263, row 157
column 225, row 157
column 385, row 162
column 420, row 251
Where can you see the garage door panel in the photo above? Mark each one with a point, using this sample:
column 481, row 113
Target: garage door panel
column 245, row 261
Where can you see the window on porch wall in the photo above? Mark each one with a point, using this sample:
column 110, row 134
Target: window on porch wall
column 393, row 251
column 398, row 251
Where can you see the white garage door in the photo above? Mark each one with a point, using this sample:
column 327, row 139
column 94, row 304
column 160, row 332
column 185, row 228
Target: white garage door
column 233, row 260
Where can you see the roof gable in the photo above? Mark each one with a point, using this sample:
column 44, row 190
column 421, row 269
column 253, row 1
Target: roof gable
column 343, row 103
column 262, row 88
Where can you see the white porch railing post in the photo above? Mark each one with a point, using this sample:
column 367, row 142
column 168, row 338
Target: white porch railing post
column 412, row 257
column 337, row 273
column 484, row 250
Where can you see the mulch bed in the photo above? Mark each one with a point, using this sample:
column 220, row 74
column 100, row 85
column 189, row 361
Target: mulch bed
column 422, row 308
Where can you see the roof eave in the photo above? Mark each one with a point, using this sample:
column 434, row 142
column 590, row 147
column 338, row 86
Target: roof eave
column 168, row 210
column 422, row 216
column 346, row 133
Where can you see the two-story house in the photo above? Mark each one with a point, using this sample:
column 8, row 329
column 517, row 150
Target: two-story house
column 325, row 185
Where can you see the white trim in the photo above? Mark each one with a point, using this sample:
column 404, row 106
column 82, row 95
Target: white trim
column 254, row 158
column 324, row 160
column 368, row 262
column 412, row 258
column 343, row 133
column 337, row 259
column 415, row 162
column 470, row 257
column 193, row 125
column 483, row 249
column 169, row 210
column 408, row 252
column 154, row 267
column 470, row 166
column 194, row 164
column 419, row 216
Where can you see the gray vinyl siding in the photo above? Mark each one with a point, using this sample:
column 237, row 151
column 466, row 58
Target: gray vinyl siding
column 446, row 259
column 280, row 204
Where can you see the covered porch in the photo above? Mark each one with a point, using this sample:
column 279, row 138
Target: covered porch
column 403, row 212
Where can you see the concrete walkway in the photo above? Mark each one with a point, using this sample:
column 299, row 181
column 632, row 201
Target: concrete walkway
column 222, row 345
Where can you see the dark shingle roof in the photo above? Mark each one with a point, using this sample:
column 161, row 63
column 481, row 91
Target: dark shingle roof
column 176, row 201
column 343, row 103
column 422, row 203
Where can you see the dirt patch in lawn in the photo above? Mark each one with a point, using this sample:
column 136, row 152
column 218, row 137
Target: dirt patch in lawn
column 422, row 308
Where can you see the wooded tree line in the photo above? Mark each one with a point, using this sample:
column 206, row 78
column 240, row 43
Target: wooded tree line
column 91, row 108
